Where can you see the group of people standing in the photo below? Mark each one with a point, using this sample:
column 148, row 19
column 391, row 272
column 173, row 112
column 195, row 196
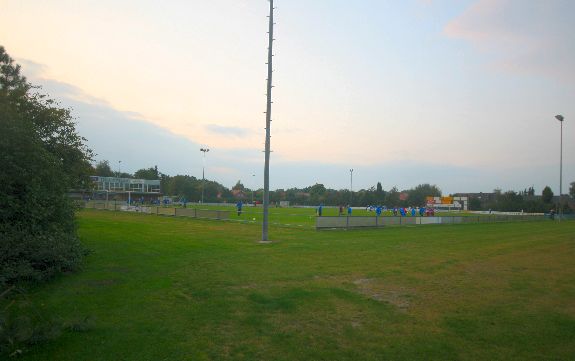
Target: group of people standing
column 403, row 211
column 396, row 211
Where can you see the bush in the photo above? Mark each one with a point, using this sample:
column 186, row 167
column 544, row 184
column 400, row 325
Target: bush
column 42, row 157
column 37, row 224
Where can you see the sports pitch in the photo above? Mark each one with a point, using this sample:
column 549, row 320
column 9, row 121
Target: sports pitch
column 298, row 217
column 163, row 288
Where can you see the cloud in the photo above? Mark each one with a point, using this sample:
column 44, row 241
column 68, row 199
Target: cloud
column 527, row 37
column 127, row 136
column 227, row 131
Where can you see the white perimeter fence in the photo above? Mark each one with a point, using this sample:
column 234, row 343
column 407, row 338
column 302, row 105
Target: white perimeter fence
column 375, row 222
column 325, row 222
column 174, row 212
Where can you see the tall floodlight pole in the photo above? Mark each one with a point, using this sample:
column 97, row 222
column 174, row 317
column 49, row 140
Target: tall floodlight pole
column 203, row 150
column 350, row 186
column 119, row 162
column 268, row 124
column 253, row 187
column 560, row 119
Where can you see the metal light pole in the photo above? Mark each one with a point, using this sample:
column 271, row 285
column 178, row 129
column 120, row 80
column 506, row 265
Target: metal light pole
column 203, row 150
column 350, row 186
column 560, row 119
column 268, row 123
column 119, row 162
column 253, row 185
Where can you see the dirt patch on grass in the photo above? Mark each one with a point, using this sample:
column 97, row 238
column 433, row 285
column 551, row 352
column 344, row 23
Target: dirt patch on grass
column 376, row 290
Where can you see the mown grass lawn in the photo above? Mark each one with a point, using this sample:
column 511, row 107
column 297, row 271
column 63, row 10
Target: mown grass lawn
column 159, row 288
column 302, row 217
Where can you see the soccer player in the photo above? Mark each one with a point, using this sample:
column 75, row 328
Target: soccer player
column 239, row 207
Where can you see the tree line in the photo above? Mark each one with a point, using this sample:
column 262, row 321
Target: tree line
column 190, row 188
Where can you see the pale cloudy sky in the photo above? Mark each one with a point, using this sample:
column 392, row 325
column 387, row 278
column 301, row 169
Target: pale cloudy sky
column 458, row 93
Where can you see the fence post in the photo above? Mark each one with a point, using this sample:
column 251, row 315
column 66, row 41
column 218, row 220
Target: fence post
column 347, row 222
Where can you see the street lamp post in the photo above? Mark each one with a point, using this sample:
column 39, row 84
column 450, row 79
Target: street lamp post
column 204, row 151
column 560, row 119
column 350, row 186
column 119, row 163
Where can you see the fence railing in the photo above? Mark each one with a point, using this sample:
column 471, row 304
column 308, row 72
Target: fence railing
column 375, row 222
column 161, row 211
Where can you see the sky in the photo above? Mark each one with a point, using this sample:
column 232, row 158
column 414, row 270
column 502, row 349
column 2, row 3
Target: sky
column 457, row 93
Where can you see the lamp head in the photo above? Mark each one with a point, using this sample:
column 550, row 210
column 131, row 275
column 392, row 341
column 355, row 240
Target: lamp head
column 559, row 118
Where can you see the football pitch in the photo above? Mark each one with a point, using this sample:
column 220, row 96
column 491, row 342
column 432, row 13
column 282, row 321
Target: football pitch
column 165, row 288
column 299, row 217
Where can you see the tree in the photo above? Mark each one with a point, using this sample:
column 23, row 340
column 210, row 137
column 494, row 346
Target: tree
column 547, row 195
column 572, row 190
column 149, row 174
column 103, row 169
column 42, row 158
column 239, row 186
column 392, row 197
column 474, row 204
column 317, row 193
column 379, row 193
column 419, row 194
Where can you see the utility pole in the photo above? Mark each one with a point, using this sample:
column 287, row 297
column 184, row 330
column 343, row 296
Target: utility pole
column 253, row 187
column 560, row 118
column 268, row 124
column 203, row 150
column 350, row 186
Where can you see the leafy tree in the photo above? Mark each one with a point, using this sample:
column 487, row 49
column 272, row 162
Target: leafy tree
column 392, row 197
column 149, row 174
column 103, row 169
column 42, row 157
column 547, row 195
column 317, row 193
column 474, row 204
column 379, row 194
column 181, row 186
column 239, row 186
column 419, row 194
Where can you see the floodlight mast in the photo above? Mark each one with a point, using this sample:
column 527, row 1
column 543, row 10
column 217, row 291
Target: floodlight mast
column 204, row 151
column 560, row 118
column 350, row 186
column 268, row 123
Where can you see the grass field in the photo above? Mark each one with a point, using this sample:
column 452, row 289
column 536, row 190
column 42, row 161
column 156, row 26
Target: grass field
column 162, row 288
column 299, row 217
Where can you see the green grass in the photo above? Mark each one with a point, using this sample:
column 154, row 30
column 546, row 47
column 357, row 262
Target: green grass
column 300, row 217
column 161, row 288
